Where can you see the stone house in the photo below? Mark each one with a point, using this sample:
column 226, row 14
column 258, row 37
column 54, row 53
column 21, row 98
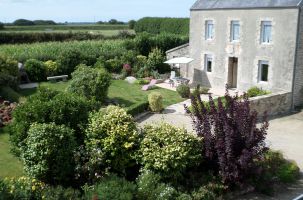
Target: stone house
column 246, row 43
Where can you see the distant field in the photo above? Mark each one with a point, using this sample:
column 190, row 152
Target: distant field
column 81, row 27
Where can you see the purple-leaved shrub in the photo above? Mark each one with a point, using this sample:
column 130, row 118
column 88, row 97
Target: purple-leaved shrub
column 233, row 143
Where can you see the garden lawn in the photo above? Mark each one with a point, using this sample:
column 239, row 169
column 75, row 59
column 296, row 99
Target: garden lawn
column 130, row 94
column 10, row 166
column 127, row 95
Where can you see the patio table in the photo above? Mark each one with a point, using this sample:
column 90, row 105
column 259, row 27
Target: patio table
column 180, row 80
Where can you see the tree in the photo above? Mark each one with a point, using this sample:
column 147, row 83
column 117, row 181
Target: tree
column 1, row 26
column 23, row 22
column 131, row 24
column 113, row 21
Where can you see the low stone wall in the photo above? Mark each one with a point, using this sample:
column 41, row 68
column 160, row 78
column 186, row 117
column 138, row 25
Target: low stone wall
column 275, row 104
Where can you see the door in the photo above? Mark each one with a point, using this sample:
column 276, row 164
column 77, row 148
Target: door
column 232, row 72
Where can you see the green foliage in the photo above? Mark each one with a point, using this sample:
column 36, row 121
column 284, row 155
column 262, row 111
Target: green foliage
column 155, row 102
column 50, row 106
column 90, row 83
column 21, row 188
column 1, row 26
column 60, row 193
column 183, row 90
column 36, row 70
column 275, row 166
column 137, row 108
column 9, row 94
column 23, row 22
column 155, row 61
column 112, row 139
column 150, row 187
column 48, row 153
column 168, row 150
column 255, row 91
column 131, row 24
column 158, row 25
column 51, row 67
column 68, row 60
column 44, row 22
column 112, row 187
column 114, row 65
column 8, row 71
column 203, row 194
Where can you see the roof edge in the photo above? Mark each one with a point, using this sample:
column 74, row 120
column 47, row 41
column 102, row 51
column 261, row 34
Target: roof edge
column 252, row 8
column 177, row 48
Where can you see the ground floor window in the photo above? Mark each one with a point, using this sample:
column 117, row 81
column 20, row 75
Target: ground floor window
column 263, row 71
column 208, row 62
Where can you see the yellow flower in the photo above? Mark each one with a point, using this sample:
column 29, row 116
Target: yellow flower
column 33, row 188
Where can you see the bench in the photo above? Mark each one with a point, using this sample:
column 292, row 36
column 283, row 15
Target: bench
column 54, row 78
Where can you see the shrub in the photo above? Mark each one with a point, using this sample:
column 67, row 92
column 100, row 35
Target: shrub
column 142, row 81
column 60, row 193
column 90, row 83
column 114, row 65
column 168, row 150
column 68, row 60
column 1, row 26
column 36, row 70
column 155, row 101
column 255, row 91
column 131, row 24
column 112, row 187
column 275, row 168
column 137, row 108
column 232, row 141
column 51, row 68
column 150, row 187
column 50, row 106
column 6, row 109
column 203, row 193
column 21, row 188
column 183, row 90
column 155, row 59
column 48, row 154
column 112, row 139
column 7, row 93
column 8, row 72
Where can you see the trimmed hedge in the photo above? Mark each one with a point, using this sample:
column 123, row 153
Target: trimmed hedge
column 137, row 108
column 158, row 25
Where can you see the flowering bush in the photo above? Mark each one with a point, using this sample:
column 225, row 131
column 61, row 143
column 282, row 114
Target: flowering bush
column 232, row 141
column 112, row 139
column 51, row 67
column 22, row 188
column 168, row 150
column 6, row 109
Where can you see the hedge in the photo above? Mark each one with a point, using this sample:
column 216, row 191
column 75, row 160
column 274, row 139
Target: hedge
column 137, row 108
column 158, row 25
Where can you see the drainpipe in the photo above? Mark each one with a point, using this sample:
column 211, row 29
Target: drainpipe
column 296, row 59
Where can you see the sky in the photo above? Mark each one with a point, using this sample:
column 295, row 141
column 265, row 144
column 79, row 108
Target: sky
column 91, row 10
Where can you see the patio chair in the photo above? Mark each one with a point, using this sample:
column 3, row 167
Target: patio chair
column 172, row 75
column 150, row 85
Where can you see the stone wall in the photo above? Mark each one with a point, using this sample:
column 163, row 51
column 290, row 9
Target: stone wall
column 275, row 104
column 181, row 51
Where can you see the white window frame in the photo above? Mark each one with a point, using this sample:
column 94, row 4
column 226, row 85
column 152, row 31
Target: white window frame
column 266, row 39
column 260, row 73
column 209, row 35
column 234, row 23
column 208, row 57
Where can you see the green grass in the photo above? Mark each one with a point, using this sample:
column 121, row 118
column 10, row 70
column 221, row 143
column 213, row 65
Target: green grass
column 125, row 94
column 130, row 94
column 10, row 166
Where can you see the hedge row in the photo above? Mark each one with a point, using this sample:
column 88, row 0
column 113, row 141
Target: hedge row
column 158, row 25
column 27, row 37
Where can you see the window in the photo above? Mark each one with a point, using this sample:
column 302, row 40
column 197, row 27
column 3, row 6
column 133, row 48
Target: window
column 266, row 32
column 209, row 30
column 208, row 63
column 235, row 31
column 263, row 71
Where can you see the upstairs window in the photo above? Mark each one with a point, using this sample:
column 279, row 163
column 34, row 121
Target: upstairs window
column 263, row 71
column 266, row 32
column 209, row 30
column 208, row 62
column 235, row 31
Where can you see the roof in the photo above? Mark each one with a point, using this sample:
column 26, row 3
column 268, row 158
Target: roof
column 177, row 48
column 244, row 4
column 180, row 60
